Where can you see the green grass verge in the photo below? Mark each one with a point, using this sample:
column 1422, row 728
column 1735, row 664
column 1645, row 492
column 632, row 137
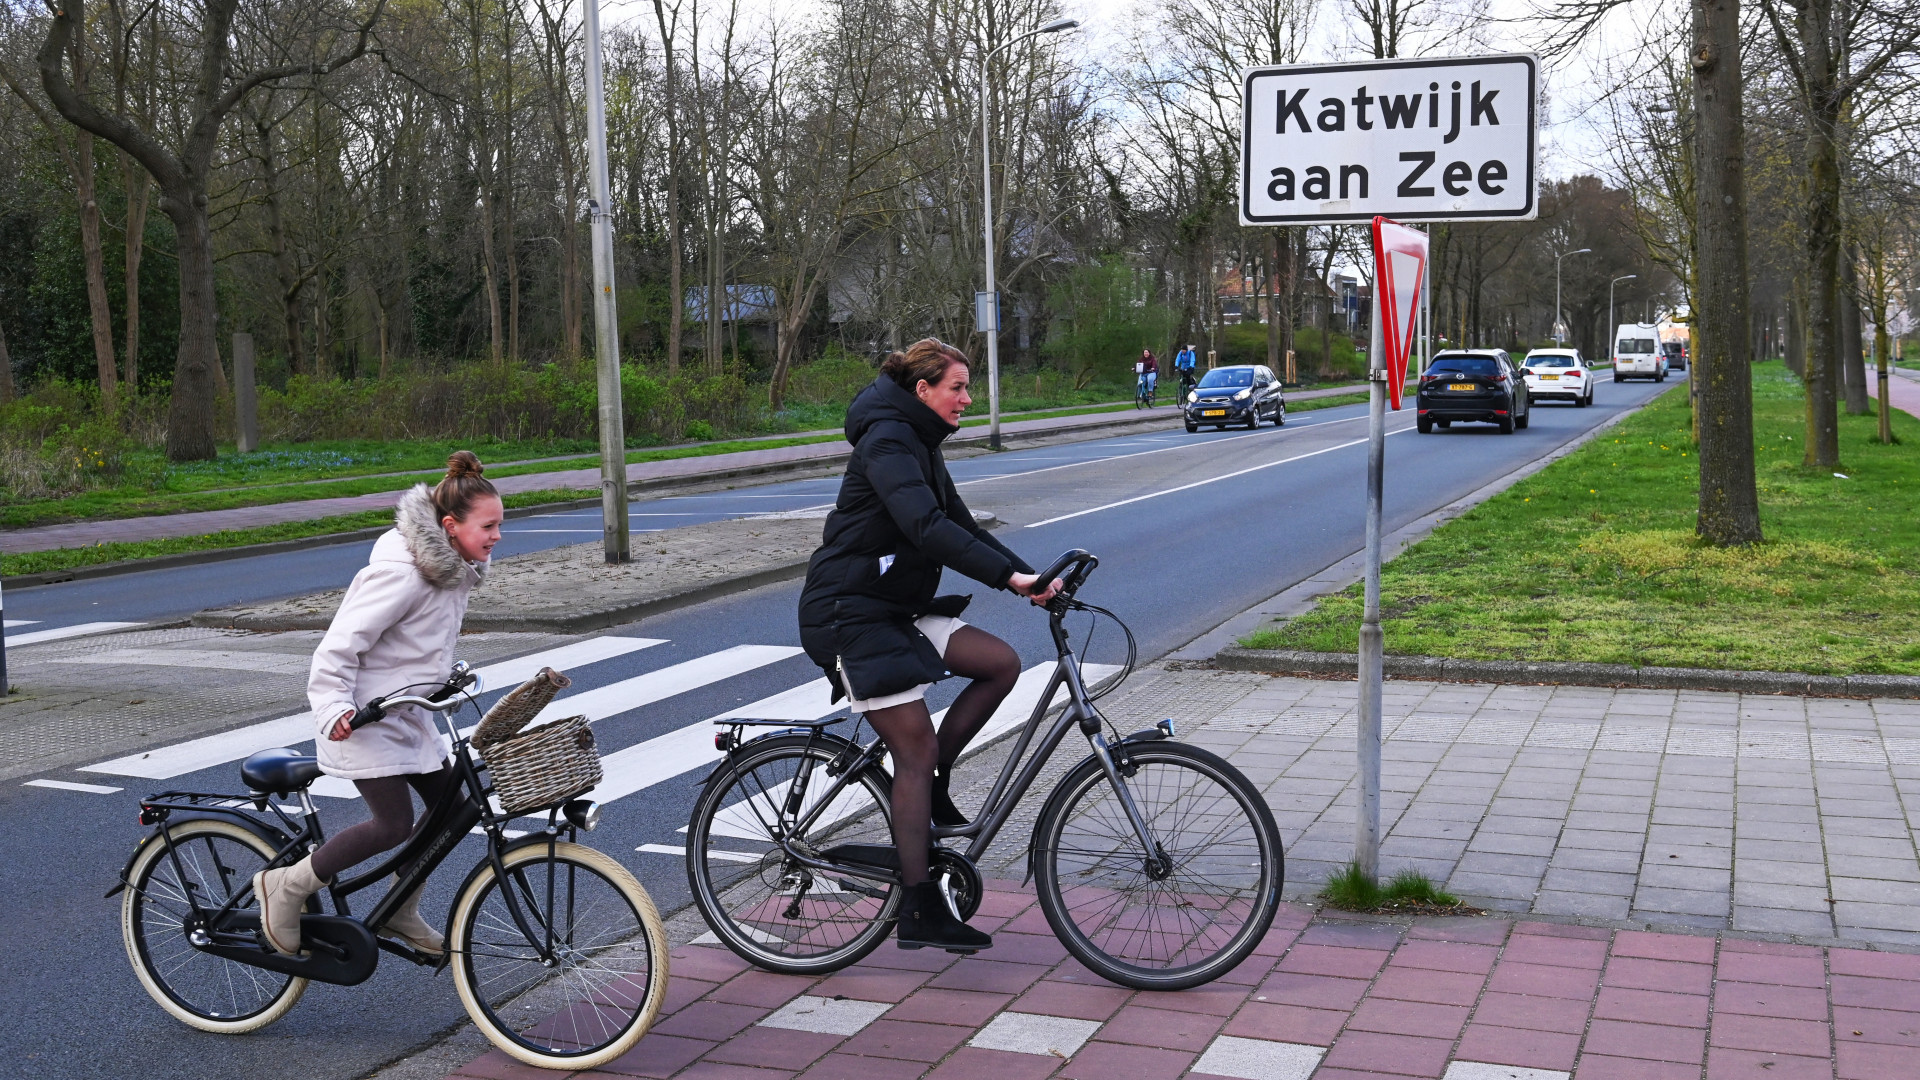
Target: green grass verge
column 1594, row 558
column 41, row 562
column 110, row 503
column 1408, row 891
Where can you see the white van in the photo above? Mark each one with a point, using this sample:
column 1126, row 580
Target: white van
column 1637, row 353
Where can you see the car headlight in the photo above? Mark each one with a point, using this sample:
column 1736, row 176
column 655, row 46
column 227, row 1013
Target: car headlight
column 1193, row 396
column 1244, row 394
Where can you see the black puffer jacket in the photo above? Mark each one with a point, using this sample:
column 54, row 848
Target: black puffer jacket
column 896, row 501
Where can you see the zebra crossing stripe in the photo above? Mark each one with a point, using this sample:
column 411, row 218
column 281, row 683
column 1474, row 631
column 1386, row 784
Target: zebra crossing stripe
column 204, row 753
column 629, row 694
column 61, row 633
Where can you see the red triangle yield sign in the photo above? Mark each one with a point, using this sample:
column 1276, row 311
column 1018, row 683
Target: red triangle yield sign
column 1399, row 263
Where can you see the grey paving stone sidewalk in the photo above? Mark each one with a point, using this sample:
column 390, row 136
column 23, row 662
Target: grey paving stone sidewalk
column 1769, row 814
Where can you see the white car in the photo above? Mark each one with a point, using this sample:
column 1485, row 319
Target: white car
column 1558, row 373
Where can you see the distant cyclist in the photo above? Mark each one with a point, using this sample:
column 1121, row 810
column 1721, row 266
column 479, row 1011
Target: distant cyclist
column 1149, row 369
column 1183, row 362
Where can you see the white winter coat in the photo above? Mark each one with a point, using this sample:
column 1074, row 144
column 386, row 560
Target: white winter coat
column 397, row 626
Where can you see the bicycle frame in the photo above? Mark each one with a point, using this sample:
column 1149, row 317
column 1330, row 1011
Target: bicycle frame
column 1009, row 787
column 464, row 805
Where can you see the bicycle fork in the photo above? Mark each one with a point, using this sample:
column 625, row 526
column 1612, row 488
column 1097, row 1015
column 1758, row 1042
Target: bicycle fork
column 1156, row 864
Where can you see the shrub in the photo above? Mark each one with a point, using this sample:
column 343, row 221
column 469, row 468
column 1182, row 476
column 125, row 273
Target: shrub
column 700, row 431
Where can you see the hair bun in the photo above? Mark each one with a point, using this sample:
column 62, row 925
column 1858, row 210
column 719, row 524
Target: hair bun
column 464, row 463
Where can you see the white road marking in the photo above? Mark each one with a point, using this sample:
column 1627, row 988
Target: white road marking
column 208, row 751
column 712, row 853
column 645, row 764
column 68, row 785
column 1143, row 453
column 61, row 633
column 11, row 623
column 1209, row 480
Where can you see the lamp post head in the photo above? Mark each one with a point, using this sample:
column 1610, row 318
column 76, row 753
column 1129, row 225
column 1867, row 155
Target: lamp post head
column 1578, row 251
column 1056, row 27
column 1627, row 277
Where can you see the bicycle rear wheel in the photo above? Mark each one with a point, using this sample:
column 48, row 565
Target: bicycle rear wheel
column 609, row 948
column 1175, row 918
column 215, row 859
column 765, row 906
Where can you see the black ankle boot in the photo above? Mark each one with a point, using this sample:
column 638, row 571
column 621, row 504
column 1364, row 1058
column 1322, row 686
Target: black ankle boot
column 945, row 814
column 926, row 922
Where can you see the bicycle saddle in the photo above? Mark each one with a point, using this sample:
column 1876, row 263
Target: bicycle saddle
column 279, row 771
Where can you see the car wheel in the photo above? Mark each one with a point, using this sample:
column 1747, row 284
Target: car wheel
column 1660, row 376
column 1280, row 415
column 1253, row 418
column 1424, row 424
column 1584, row 400
column 1523, row 420
column 1192, row 427
column 1506, row 425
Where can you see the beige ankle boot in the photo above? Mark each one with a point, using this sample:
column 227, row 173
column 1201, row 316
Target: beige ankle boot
column 406, row 925
column 282, row 894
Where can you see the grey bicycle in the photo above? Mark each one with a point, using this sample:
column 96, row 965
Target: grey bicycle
column 1157, row 864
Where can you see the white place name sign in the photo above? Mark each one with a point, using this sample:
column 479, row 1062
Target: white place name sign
column 1443, row 139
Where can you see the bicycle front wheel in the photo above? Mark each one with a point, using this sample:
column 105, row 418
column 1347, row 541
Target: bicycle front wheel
column 607, row 975
column 1183, row 914
column 763, row 904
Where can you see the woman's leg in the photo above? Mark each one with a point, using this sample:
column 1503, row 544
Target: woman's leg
column 908, row 732
column 391, row 804
column 994, row 667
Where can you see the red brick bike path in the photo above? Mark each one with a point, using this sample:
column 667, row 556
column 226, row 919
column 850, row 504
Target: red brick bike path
column 1321, row 998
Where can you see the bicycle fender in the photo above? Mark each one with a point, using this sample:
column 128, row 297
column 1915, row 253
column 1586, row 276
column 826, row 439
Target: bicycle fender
column 506, row 849
column 274, row 837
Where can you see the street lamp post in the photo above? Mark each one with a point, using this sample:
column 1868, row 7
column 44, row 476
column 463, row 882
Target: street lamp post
column 1559, row 318
column 1612, row 346
column 606, row 320
column 986, row 217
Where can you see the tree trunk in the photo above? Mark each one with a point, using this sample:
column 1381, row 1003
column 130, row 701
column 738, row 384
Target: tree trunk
column 6, row 370
column 1822, row 449
column 190, row 419
column 1796, row 341
column 1853, row 346
column 1729, row 511
column 96, row 271
column 138, row 191
column 676, row 228
column 490, row 276
column 293, row 313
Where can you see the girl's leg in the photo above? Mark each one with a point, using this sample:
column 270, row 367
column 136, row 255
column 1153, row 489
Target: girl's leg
column 994, row 667
column 391, row 804
column 908, row 732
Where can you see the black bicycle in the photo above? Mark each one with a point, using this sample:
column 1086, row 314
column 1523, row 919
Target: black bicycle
column 1157, row 863
column 558, row 954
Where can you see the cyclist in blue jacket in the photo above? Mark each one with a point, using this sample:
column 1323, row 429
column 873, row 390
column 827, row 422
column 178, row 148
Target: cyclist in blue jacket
column 1183, row 362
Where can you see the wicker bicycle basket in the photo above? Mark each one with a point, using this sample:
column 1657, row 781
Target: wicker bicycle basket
column 541, row 766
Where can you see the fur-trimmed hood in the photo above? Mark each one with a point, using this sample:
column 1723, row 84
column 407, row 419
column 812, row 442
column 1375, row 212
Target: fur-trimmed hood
column 418, row 525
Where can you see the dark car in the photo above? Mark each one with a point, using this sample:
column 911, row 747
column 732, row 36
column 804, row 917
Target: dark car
column 1243, row 394
column 1676, row 355
column 1479, row 384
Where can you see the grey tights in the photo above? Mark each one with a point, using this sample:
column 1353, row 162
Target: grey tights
column 392, row 822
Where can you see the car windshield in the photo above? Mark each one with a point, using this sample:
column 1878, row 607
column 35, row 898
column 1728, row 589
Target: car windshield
column 1550, row 360
column 1231, row 376
column 1463, row 365
column 1636, row 345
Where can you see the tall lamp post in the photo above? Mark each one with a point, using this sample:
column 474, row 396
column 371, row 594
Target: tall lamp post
column 1611, row 326
column 1560, row 319
column 987, row 306
column 606, row 317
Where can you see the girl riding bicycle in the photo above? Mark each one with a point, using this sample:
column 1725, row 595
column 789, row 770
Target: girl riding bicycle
column 870, row 619
column 396, row 627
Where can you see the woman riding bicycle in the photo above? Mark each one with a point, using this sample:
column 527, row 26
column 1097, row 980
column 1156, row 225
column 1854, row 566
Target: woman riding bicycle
column 1149, row 373
column 870, row 619
column 396, row 627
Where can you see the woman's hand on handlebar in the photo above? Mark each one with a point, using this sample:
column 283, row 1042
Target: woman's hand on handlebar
column 342, row 727
column 1029, row 586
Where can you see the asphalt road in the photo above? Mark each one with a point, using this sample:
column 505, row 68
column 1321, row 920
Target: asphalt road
column 1190, row 530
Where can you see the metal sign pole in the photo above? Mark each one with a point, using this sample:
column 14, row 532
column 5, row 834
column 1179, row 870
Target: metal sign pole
column 606, row 314
column 5, row 689
column 1366, row 823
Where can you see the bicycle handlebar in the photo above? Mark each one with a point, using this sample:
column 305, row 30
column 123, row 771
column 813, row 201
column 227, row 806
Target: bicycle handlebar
column 440, row 700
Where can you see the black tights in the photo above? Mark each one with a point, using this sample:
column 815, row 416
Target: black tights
column 391, row 824
column 908, row 731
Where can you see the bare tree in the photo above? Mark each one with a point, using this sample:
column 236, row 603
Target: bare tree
column 184, row 168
